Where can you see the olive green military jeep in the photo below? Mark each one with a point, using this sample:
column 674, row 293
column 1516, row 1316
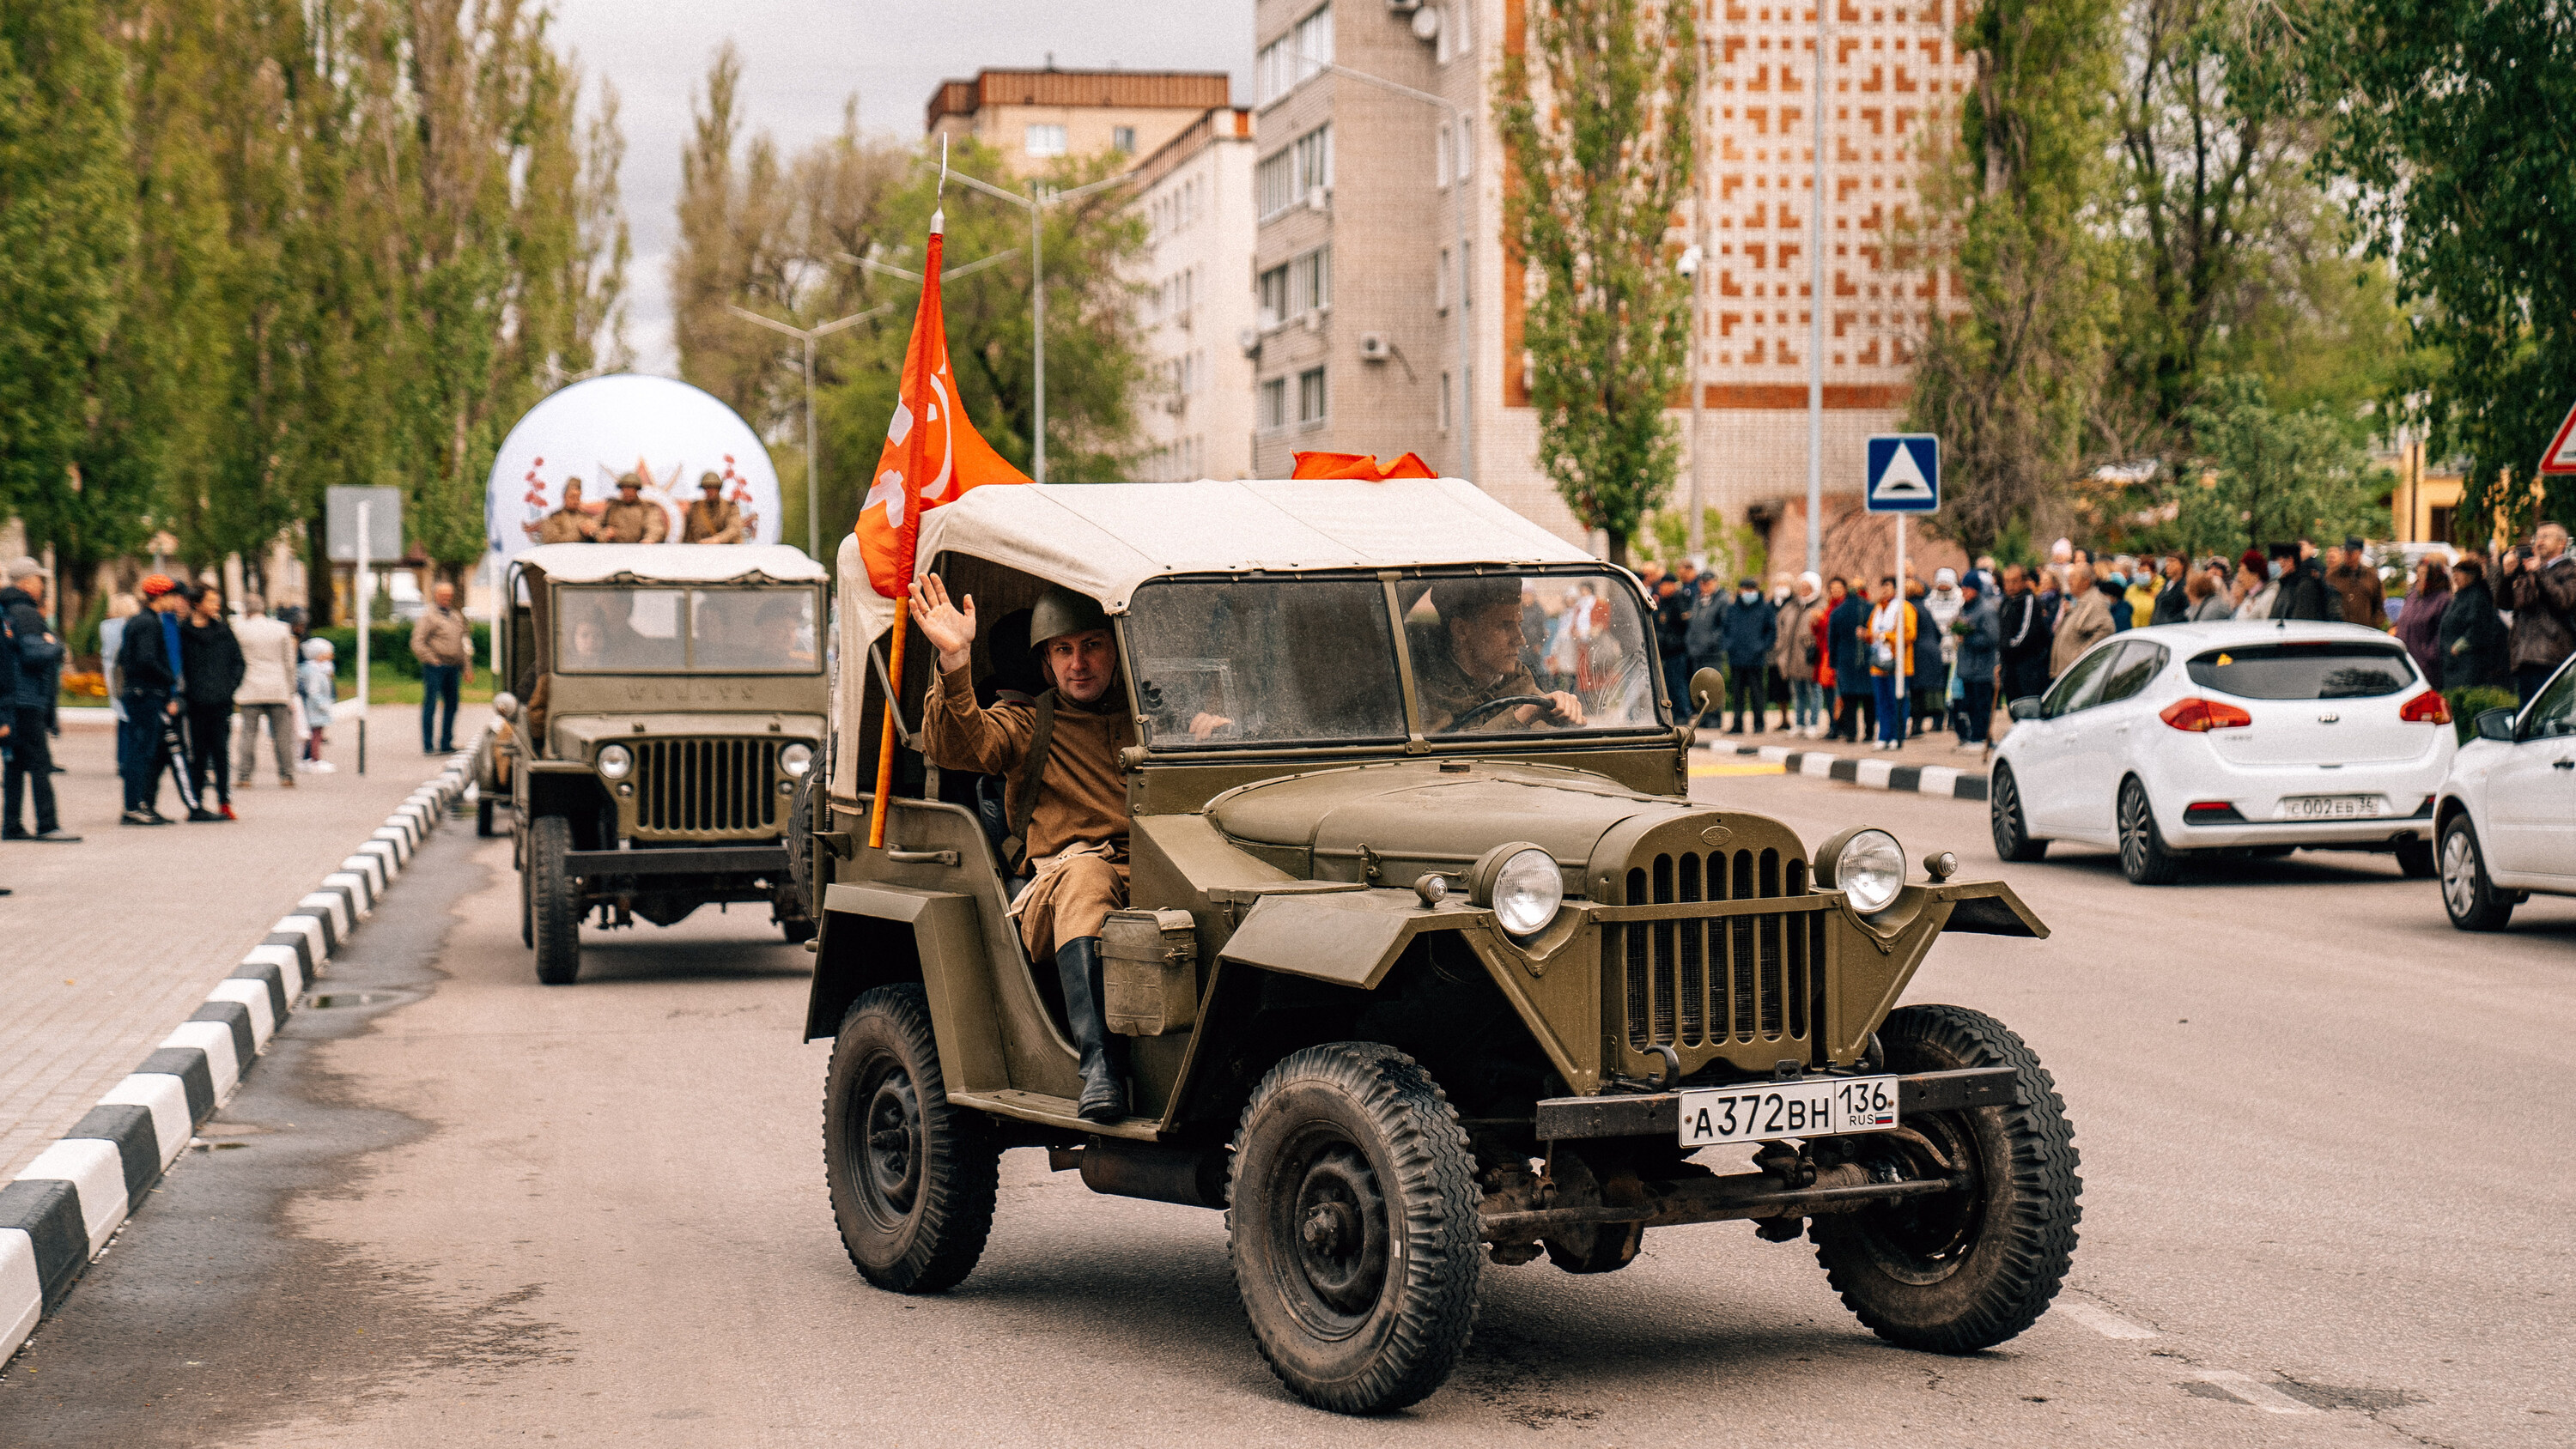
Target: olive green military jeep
column 667, row 700
column 1418, row 975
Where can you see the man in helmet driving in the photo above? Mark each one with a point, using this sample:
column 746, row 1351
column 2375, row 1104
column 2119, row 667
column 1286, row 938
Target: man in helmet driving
column 1471, row 659
column 1073, row 832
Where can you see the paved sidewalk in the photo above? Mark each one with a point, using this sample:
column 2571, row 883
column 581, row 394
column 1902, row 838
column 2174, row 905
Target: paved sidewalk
column 111, row 943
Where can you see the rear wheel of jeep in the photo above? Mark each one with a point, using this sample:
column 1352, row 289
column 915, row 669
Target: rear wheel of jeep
column 1354, row 1228
column 912, row 1177
column 1961, row 1271
column 552, row 892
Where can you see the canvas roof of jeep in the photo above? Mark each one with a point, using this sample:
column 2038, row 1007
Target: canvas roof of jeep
column 1104, row 539
column 671, row 563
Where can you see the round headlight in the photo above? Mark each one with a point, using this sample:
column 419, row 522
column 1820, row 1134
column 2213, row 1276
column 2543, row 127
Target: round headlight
column 616, row 761
column 795, row 758
column 1520, row 884
column 1869, row 868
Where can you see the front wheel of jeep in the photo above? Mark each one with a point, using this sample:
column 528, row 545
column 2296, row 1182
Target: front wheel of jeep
column 912, row 1176
column 1354, row 1227
column 1961, row 1271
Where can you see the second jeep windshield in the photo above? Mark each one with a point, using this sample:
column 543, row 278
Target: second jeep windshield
column 609, row 630
column 1313, row 660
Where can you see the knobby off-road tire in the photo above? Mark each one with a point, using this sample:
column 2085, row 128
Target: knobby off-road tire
column 912, row 1176
column 2004, row 816
column 1353, row 1227
column 1963, row 1271
column 2468, row 896
column 2144, row 857
column 552, row 893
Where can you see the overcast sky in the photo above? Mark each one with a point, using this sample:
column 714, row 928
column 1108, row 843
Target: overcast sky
column 801, row 59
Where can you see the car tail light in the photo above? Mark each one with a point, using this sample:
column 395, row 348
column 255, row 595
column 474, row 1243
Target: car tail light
column 2426, row 708
column 2211, row 812
column 2199, row 716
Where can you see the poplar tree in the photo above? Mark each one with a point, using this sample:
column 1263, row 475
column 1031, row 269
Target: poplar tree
column 1596, row 121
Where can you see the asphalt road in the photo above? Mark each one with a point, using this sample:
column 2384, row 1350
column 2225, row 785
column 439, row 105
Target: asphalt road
column 2328, row 1180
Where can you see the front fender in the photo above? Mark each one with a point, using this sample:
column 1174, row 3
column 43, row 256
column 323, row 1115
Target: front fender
column 877, row 935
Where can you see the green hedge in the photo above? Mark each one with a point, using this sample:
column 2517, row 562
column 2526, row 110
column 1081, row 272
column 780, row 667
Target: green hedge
column 389, row 649
column 2467, row 704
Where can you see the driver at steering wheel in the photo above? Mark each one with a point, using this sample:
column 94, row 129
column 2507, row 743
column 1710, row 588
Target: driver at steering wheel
column 1472, row 657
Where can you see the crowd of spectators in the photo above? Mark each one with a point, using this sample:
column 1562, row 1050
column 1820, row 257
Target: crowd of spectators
column 1857, row 659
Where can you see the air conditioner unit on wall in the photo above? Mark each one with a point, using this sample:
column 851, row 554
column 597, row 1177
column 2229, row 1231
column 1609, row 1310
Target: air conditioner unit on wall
column 1319, row 198
column 1314, row 319
column 1375, row 348
column 1249, row 339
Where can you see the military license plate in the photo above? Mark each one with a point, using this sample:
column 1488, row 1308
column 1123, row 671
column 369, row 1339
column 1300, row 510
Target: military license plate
column 1762, row 1111
column 2331, row 807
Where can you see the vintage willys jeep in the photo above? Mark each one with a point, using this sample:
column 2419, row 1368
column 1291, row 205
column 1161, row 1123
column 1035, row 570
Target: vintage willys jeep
column 669, row 698
column 1410, row 983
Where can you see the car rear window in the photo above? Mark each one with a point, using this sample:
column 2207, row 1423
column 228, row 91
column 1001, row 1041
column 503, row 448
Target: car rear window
column 2325, row 669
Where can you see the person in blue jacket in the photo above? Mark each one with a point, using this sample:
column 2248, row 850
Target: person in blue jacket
column 1751, row 627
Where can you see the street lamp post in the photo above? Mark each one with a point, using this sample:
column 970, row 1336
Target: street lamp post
column 1040, row 197
column 1816, row 323
column 1466, row 288
column 809, row 336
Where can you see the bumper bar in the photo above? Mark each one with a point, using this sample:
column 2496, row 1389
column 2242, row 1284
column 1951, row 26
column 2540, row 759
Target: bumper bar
column 682, row 860
column 1659, row 1114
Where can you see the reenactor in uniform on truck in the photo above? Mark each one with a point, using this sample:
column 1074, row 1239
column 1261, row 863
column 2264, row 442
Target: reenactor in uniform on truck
column 1066, row 797
column 570, row 523
column 629, row 519
column 711, row 519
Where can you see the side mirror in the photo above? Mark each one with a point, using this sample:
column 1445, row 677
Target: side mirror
column 506, row 705
column 2026, row 707
column 2496, row 724
column 1707, row 692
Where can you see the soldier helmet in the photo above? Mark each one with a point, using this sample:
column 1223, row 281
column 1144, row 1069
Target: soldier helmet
column 1061, row 611
column 711, row 479
column 629, row 480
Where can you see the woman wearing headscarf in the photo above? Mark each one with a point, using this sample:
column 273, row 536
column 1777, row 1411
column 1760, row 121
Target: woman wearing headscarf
column 2419, row 623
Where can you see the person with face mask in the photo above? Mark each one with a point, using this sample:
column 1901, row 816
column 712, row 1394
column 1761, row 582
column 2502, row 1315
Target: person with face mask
column 2303, row 593
column 1751, row 629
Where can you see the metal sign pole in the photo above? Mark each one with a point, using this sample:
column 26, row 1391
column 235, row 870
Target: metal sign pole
column 1904, row 612
column 358, row 582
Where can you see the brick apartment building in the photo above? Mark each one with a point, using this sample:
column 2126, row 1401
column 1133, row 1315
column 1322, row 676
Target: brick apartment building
column 1356, row 261
column 1035, row 116
column 1195, row 196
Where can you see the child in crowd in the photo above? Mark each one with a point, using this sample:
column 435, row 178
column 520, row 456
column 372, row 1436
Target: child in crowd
column 315, row 689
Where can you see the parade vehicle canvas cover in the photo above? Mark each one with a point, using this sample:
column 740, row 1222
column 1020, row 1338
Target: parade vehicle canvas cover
column 1413, row 977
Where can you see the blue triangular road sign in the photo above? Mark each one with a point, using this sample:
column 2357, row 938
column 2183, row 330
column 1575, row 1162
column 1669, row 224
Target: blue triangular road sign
column 1904, row 473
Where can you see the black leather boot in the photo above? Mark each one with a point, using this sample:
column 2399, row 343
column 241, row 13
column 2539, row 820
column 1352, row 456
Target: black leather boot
column 1104, row 1078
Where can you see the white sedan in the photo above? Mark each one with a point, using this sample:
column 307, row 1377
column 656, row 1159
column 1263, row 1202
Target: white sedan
column 2241, row 738
column 2507, row 813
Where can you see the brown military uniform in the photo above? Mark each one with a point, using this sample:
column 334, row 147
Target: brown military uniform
column 1078, row 830
column 567, row 525
column 718, row 522
column 1446, row 692
column 636, row 522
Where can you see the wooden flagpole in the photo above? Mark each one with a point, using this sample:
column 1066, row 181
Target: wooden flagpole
column 885, row 742
column 909, row 534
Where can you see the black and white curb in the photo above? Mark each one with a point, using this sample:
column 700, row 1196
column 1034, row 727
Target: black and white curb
column 60, row 1213
column 1946, row 780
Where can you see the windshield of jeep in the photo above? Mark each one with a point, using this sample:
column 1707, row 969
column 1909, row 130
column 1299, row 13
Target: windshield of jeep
column 629, row 629
column 1313, row 660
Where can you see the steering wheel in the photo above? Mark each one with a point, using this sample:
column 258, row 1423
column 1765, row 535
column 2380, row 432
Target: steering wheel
column 1478, row 714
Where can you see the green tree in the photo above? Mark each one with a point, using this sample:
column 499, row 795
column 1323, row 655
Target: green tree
column 2010, row 379
column 2453, row 124
column 67, row 230
column 1596, row 119
column 2265, row 475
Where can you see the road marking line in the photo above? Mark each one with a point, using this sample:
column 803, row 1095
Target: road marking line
column 2253, row 1393
column 2102, row 1320
column 1702, row 771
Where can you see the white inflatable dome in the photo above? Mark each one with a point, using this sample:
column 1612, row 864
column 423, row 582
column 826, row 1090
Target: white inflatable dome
column 657, row 427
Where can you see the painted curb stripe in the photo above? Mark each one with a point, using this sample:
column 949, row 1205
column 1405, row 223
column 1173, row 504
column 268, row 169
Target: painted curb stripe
column 256, row 1003
column 47, row 1210
column 215, row 1039
column 166, row 1098
column 286, row 961
column 137, row 1141
column 235, row 1018
column 305, row 934
column 96, row 1172
column 195, row 1075
column 360, row 885
column 1946, row 780
column 336, row 914
column 22, row 1292
column 271, row 979
column 371, row 867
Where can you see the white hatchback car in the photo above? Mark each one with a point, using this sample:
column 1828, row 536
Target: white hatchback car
column 2238, row 738
column 2507, row 811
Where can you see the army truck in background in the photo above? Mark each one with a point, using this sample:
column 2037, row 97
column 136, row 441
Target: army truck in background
column 1413, row 985
column 664, row 701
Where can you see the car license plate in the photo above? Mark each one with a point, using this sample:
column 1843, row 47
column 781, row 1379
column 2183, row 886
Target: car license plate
column 2331, row 807
column 1762, row 1111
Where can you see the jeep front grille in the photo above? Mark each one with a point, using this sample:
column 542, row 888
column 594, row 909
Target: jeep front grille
column 1732, row 975
column 706, row 787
